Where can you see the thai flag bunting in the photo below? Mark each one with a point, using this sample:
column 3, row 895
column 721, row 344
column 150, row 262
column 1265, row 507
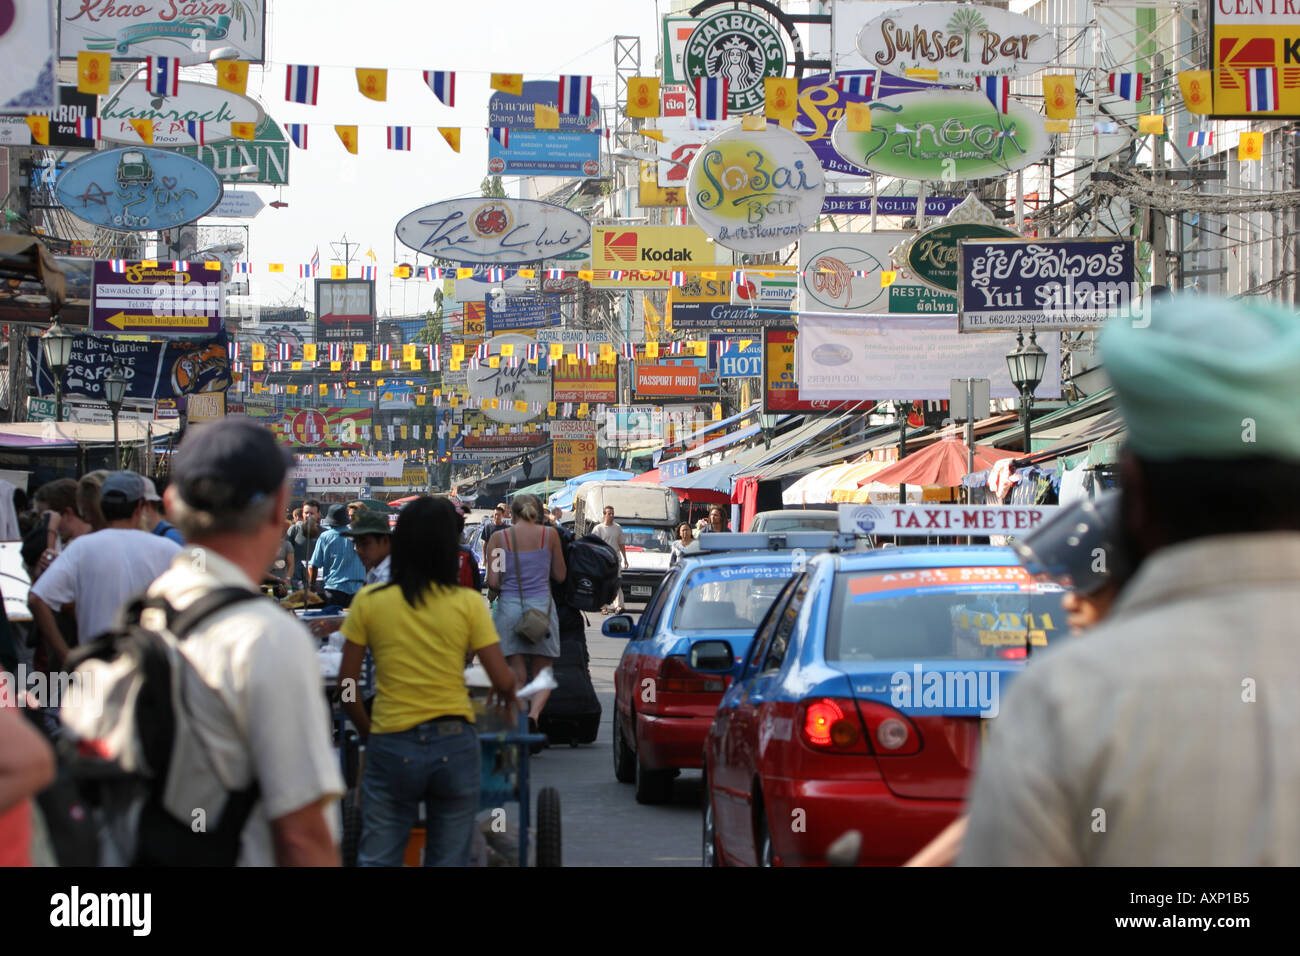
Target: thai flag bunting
column 434, row 354
column 399, row 137
column 300, row 84
column 1261, row 90
column 484, row 351
column 336, row 351
column 1127, row 86
column 370, row 272
column 580, row 350
column 676, row 349
column 306, row 271
column 997, row 89
column 285, row 351
column 88, row 128
column 567, row 410
column 711, row 98
column 679, row 278
column 629, row 351
column 180, row 265
column 1201, row 138
column 473, row 362
column 861, row 84
column 533, row 353
column 275, row 366
column 297, row 133
column 385, row 353
column 616, row 274
column 243, row 268
column 234, row 351
column 117, row 265
column 555, row 273
column 315, row 261
column 737, row 277
column 502, row 135
column 575, row 95
column 496, row 274
column 443, row 84
column 194, row 128
column 164, row 75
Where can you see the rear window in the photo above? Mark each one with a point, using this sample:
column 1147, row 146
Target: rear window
column 972, row 613
column 646, row 539
column 804, row 523
column 728, row 599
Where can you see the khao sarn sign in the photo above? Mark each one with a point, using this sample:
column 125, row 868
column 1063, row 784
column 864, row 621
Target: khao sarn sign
column 755, row 191
column 135, row 30
column 493, row 230
column 944, row 135
column 959, row 41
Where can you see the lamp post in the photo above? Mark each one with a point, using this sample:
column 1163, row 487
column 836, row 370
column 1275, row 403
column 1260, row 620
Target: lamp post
column 56, row 344
column 1026, row 363
column 114, row 391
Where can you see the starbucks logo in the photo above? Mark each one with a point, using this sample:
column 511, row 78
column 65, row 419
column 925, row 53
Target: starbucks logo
column 740, row 47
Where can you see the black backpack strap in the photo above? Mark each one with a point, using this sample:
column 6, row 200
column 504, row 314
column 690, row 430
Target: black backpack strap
column 180, row 623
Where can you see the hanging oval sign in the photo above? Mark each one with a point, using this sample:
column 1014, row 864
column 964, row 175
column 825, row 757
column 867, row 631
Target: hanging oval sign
column 211, row 106
column 755, row 190
column 493, row 230
column 506, row 385
column 944, row 135
column 134, row 190
column 960, row 42
column 931, row 256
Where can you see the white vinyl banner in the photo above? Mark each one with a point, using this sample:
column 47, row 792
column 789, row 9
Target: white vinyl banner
column 884, row 357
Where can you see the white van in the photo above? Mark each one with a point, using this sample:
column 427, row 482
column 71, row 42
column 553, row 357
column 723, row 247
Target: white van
column 648, row 515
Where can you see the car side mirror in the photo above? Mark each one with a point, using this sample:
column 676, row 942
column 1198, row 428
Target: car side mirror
column 620, row 625
column 712, row 656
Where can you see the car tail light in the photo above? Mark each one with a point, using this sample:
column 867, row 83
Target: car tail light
column 890, row 732
column 831, row 724
column 678, row 677
column 1013, row 653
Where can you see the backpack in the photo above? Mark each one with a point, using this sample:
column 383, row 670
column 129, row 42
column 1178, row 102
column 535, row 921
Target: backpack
column 592, row 581
column 138, row 759
column 467, row 569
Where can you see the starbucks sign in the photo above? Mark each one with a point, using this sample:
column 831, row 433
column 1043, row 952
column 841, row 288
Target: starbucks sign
column 742, row 48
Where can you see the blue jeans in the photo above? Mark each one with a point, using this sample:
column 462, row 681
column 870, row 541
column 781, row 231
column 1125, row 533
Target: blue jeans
column 437, row 762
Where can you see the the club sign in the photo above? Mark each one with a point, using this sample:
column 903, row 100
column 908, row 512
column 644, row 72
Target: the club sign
column 493, row 230
column 137, row 190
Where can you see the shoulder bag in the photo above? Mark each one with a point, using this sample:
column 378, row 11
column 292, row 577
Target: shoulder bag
column 533, row 624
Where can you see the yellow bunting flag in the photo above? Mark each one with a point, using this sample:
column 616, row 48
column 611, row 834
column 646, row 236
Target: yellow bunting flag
column 259, row 352
column 527, row 273
column 212, row 265
column 1152, row 124
column 373, row 84
column 1058, row 95
column 295, row 366
column 293, row 389
column 556, row 352
column 652, row 350
column 275, row 267
column 642, row 97
column 753, row 124
column 464, row 273
column 888, row 277
column 408, row 353
column 507, row 350
column 781, row 99
column 379, row 431
column 494, row 361
column 572, row 358
column 358, row 353
column 309, row 351
column 458, row 352
column 40, row 127
column 857, row 117
column 1056, row 126
column 1198, row 91
column 550, row 406
column 452, row 135
column 402, row 272
column 403, row 431
column 257, row 366
column 245, row 131
column 348, row 136
column 653, row 321
column 545, row 117
column 419, row 399
column 338, row 272
column 717, row 411
column 324, row 389
column 653, row 134
column 512, row 83
column 377, row 366
column 701, row 349
column 586, row 275
column 582, row 410
column 92, row 72
column 606, row 352
column 143, row 128
column 336, row 366
column 415, row 365
column 521, row 406
column 232, row 75
column 1250, row 146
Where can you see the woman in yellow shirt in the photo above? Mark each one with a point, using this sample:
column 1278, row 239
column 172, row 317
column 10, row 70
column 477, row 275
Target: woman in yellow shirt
column 421, row 627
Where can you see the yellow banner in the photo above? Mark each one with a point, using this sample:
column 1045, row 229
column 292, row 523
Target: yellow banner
column 1058, row 95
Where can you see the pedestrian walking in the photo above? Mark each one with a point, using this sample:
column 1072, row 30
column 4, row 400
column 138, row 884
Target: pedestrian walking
column 341, row 572
column 684, row 540
column 611, row 532
column 500, row 519
column 304, row 535
column 421, row 745
column 373, row 540
column 1160, row 739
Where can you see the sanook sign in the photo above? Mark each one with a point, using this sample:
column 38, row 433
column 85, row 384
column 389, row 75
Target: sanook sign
column 961, row 42
column 822, row 104
column 656, row 247
column 137, row 190
column 1248, row 34
column 212, row 106
column 944, row 136
column 946, row 520
column 493, row 230
column 268, row 150
column 133, row 31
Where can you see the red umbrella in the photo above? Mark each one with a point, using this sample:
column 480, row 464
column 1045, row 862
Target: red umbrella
column 943, row 463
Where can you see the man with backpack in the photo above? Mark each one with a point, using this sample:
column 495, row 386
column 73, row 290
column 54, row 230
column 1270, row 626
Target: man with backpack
column 152, row 519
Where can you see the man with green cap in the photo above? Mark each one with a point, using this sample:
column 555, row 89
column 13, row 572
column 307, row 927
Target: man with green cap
column 373, row 539
column 1167, row 737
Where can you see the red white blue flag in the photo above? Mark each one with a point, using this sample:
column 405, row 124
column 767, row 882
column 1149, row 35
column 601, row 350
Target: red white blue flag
column 496, row 274
column 679, row 278
column 502, row 135
column 1200, row 138
column 434, row 354
column 575, row 95
column 860, row 84
column 399, row 137
column 297, row 133
column 997, row 89
column 443, row 84
column 88, row 128
column 370, row 272
column 1261, row 90
column 1127, row 86
column 676, row 349
column 555, row 273
column 616, row 274
column 285, row 351
column 180, row 265
column 300, row 84
column 164, row 75
column 194, row 129
column 629, row 351
column 243, row 268
column 711, row 98
column 117, row 265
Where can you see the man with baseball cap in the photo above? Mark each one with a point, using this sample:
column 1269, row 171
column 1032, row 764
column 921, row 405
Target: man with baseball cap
column 266, row 722
column 373, row 540
column 99, row 572
column 342, row 574
column 1166, row 737
column 152, row 519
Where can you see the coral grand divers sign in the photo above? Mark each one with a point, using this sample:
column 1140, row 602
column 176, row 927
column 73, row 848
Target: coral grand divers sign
column 755, row 191
column 212, row 106
column 944, row 135
column 1045, row 283
column 961, row 42
column 138, row 189
column 493, row 230
column 135, row 30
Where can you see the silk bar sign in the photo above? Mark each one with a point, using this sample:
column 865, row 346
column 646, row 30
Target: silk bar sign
column 493, row 230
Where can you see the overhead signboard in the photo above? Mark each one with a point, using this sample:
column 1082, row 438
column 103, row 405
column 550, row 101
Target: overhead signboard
column 325, row 427
column 761, row 290
column 634, row 423
column 133, row 31
column 238, row 204
column 529, row 311
column 650, row 247
column 742, row 45
column 73, row 107
column 268, row 150
column 756, row 191
column 885, row 356
column 682, row 139
column 493, row 230
column 574, row 447
column 927, row 521
column 1248, row 36
column 822, row 104
column 780, row 384
column 944, row 135
column 536, row 152
column 517, row 112
column 736, row 357
column 677, row 381
column 155, row 370
column 960, row 42
column 931, row 256
column 829, row 263
column 572, row 336
column 155, row 299
column 508, row 387
column 1046, row 283
column 584, row 381
column 697, row 288
column 138, row 190
column 677, row 33
column 693, row 316
column 649, row 193
column 205, row 407
column 202, row 103
column 887, row 205
column 28, row 61
column 345, row 310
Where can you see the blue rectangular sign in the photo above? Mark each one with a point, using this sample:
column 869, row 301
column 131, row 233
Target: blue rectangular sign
column 674, row 469
column 522, row 312
column 729, row 360
column 545, row 153
column 887, row 205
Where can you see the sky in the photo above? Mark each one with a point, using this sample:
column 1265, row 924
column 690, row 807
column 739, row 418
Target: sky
column 331, row 192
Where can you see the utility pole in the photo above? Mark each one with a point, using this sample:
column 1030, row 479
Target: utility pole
column 346, row 259
column 1159, row 218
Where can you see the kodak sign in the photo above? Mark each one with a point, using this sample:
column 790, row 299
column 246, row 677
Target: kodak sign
column 651, row 247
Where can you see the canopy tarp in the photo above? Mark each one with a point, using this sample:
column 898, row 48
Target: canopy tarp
column 943, row 463
column 714, row 426
column 541, row 489
column 847, row 488
column 37, row 435
column 721, row 441
column 607, row 474
column 650, row 477
column 815, row 487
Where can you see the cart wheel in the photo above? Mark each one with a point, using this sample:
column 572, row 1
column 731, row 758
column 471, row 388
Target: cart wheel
column 548, row 827
column 351, row 842
column 351, row 758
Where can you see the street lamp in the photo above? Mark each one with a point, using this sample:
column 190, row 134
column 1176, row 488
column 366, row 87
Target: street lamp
column 114, row 392
column 57, row 343
column 1026, row 363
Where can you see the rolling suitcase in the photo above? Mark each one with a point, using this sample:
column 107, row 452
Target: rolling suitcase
column 572, row 713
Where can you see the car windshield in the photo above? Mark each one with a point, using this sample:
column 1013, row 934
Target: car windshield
column 470, row 534
column 800, row 522
column 962, row 613
column 646, row 539
column 728, row 598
